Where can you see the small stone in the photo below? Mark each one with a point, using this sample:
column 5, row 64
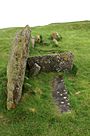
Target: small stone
column 68, row 103
column 55, row 42
column 65, row 93
column 61, row 94
column 36, row 69
column 65, row 97
column 62, row 102
column 33, row 41
column 58, row 92
column 62, row 81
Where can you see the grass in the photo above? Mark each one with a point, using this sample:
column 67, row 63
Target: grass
column 37, row 114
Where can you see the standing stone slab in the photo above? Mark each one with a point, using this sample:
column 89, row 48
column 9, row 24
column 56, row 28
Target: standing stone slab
column 50, row 63
column 16, row 67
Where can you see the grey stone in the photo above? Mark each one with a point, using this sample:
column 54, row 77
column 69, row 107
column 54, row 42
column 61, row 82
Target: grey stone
column 32, row 41
column 36, row 69
column 17, row 66
column 62, row 97
column 55, row 42
column 51, row 63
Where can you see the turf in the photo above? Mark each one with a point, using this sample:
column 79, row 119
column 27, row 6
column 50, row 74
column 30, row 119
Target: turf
column 37, row 114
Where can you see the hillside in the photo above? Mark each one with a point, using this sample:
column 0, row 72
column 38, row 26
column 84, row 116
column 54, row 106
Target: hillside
column 37, row 114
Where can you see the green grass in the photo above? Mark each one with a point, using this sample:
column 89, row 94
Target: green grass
column 37, row 114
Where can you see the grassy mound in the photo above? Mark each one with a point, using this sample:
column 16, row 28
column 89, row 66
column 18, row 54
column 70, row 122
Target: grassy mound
column 37, row 114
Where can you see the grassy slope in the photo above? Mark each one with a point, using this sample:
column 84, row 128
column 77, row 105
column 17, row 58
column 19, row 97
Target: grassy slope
column 37, row 115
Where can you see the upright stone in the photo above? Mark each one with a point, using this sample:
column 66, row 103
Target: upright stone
column 50, row 63
column 16, row 67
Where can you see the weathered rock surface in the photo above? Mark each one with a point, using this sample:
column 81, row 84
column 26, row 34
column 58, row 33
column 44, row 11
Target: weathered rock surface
column 50, row 63
column 56, row 35
column 16, row 67
column 60, row 94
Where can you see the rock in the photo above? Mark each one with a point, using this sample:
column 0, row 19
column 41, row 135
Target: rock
column 56, row 36
column 36, row 69
column 55, row 42
column 60, row 94
column 38, row 38
column 17, row 66
column 32, row 41
column 50, row 63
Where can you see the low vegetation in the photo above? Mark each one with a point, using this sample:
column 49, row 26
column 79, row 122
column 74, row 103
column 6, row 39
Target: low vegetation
column 37, row 113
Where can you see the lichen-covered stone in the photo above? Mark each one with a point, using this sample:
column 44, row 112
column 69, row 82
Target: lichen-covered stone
column 56, row 35
column 16, row 67
column 32, row 41
column 36, row 69
column 55, row 42
column 60, row 94
column 52, row 62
